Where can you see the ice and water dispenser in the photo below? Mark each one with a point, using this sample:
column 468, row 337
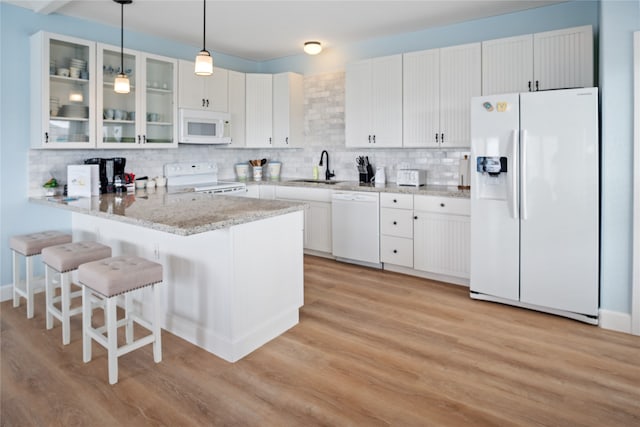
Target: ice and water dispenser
column 491, row 177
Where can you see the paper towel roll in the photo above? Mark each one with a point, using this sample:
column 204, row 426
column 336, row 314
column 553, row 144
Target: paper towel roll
column 463, row 172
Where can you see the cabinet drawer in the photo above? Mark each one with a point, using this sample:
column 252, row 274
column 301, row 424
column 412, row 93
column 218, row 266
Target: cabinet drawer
column 396, row 250
column 396, row 200
column 396, row 222
column 445, row 205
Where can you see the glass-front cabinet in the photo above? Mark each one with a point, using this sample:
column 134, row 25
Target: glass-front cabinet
column 146, row 117
column 63, row 93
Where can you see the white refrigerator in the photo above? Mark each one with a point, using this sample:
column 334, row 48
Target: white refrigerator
column 535, row 201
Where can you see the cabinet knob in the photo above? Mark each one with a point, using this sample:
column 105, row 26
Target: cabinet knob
column 415, row 217
column 442, row 205
column 46, row 137
column 395, row 200
column 395, row 251
column 442, row 138
column 395, row 222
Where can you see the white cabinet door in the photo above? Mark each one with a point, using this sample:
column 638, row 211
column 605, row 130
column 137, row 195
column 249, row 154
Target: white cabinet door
column 146, row 117
column 507, row 65
column 441, row 235
column 288, row 109
column 358, row 104
column 460, row 80
column 563, row 58
column 203, row 92
column 373, row 102
column 421, row 98
column 63, row 108
column 237, row 108
column 259, row 110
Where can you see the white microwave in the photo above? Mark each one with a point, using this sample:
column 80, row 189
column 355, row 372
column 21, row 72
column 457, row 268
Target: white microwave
column 203, row 127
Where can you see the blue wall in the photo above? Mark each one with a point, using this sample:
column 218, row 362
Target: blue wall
column 613, row 33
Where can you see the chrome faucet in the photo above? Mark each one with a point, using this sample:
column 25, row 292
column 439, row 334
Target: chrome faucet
column 327, row 174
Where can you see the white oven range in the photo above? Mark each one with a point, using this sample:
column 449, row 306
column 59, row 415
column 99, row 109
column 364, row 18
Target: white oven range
column 199, row 177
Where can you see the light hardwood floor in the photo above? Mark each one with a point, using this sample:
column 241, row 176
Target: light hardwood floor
column 372, row 348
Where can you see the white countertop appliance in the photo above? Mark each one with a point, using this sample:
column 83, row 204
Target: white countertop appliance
column 535, row 201
column 199, row 177
column 411, row 177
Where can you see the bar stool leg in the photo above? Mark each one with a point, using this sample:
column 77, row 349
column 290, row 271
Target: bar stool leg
column 16, row 280
column 112, row 340
column 29, row 287
column 48, row 289
column 157, row 333
column 87, row 312
column 127, row 315
column 66, row 306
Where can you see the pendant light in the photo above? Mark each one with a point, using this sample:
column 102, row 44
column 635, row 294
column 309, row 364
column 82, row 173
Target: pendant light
column 121, row 83
column 204, row 61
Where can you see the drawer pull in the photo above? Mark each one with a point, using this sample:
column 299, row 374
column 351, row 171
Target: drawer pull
column 395, row 251
column 395, row 222
column 395, row 200
column 442, row 205
column 415, row 217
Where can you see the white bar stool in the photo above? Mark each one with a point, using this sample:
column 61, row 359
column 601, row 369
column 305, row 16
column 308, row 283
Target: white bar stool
column 106, row 279
column 64, row 260
column 30, row 245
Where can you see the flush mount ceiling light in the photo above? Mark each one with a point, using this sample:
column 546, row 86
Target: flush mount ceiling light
column 121, row 83
column 312, row 48
column 204, row 61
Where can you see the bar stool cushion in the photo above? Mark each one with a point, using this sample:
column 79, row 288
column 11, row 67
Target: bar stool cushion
column 32, row 244
column 113, row 276
column 69, row 256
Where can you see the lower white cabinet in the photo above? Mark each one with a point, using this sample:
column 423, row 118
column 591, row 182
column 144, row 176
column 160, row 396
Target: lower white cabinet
column 441, row 235
column 396, row 229
column 317, row 215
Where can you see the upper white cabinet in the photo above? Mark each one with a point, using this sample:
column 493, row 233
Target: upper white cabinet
column 63, row 107
column 259, row 110
column 373, row 102
column 237, row 107
column 203, row 92
column 549, row 60
column 437, row 87
column 288, row 109
column 145, row 117
column 274, row 110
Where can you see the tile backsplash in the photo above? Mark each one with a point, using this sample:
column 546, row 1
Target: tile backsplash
column 324, row 130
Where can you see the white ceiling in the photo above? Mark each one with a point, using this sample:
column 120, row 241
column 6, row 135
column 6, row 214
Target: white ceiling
column 262, row 30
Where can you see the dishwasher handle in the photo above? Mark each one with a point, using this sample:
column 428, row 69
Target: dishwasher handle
column 355, row 197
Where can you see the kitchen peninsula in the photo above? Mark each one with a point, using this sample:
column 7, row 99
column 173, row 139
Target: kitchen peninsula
column 233, row 267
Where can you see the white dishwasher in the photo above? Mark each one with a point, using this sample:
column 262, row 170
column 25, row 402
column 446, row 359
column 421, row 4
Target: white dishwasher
column 355, row 217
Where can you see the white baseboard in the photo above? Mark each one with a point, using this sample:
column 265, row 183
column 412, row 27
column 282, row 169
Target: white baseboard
column 6, row 292
column 615, row 321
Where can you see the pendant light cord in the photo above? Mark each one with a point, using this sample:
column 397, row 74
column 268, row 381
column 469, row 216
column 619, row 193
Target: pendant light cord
column 204, row 25
column 122, row 38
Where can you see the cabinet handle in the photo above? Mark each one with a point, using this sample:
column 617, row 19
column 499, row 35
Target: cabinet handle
column 374, row 139
column 144, row 139
column 269, row 140
column 395, row 222
column 46, row 137
column 286, row 140
column 529, row 84
column 203, row 102
column 395, row 251
column 369, row 139
column 138, row 139
column 442, row 138
column 207, row 102
column 436, row 137
column 442, row 205
column 537, row 87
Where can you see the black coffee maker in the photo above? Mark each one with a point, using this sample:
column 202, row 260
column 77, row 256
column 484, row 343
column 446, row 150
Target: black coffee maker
column 111, row 172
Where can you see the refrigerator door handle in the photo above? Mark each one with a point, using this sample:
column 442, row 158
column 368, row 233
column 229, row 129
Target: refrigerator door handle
column 514, row 175
column 523, row 174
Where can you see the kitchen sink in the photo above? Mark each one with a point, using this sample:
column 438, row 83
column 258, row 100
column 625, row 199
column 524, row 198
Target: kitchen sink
column 316, row 181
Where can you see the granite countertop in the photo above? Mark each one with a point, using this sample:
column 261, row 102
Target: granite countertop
column 390, row 187
column 183, row 214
